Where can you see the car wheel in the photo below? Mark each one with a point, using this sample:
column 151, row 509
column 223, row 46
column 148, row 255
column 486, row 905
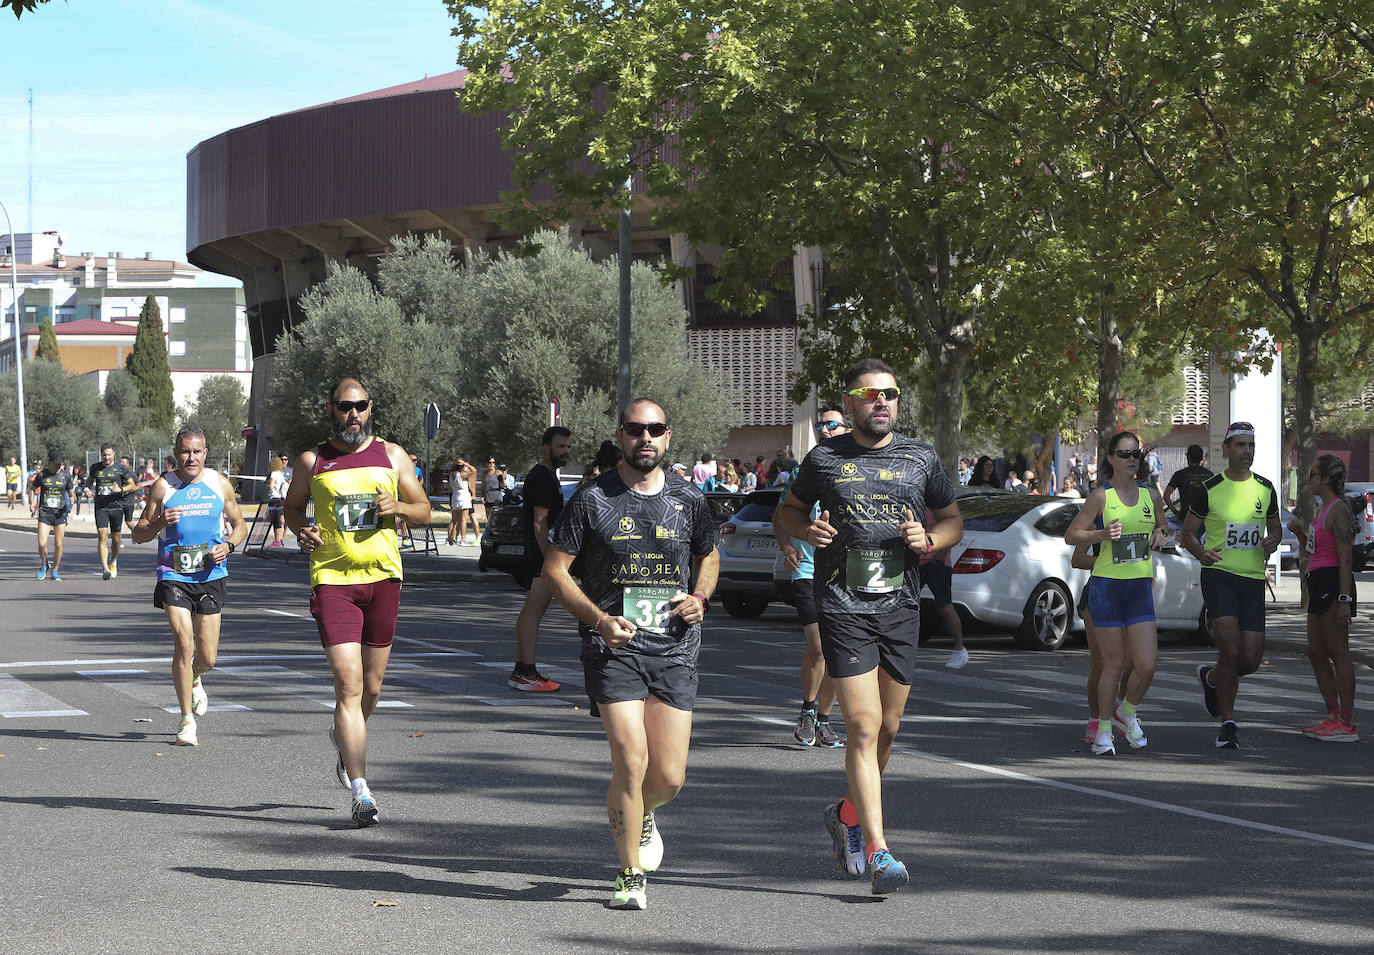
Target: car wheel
column 744, row 606
column 1203, row 635
column 1047, row 617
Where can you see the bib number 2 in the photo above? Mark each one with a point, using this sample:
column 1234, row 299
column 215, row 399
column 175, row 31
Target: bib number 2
column 874, row 571
column 647, row 607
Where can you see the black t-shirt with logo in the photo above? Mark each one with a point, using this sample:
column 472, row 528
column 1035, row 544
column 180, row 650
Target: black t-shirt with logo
column 637, row 551
column 542, row 489
column 54, row 491
column 1189, row 482
column 868, row 568
column 108, row 483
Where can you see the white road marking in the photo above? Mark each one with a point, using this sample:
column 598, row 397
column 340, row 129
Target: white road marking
column 284, row 613
column 21, row 664
column 18, row 700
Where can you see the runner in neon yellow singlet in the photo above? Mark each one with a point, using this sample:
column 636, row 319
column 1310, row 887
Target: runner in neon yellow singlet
column 1240, row 513
column 1127, row 521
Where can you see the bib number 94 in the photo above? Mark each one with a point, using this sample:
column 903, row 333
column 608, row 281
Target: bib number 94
column 188, row 560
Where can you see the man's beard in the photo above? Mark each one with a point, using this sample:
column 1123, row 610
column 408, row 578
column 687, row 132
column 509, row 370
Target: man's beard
column 643, row 465
column 873, row 429
column 354, row 439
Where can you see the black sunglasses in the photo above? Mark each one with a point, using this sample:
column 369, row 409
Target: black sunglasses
column 636, row 429
column 361, row 404
column 1127, row 454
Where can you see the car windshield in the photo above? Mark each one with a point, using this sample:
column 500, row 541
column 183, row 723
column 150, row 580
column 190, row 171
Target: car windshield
column 758, row 507
column 999, row 512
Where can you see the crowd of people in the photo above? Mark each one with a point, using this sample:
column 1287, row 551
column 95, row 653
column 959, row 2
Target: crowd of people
column 866, row 519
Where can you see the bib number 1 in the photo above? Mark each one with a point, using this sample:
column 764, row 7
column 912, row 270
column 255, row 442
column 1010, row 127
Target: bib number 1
column 1130, row 548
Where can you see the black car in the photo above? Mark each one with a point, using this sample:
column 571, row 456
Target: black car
column 503, row 539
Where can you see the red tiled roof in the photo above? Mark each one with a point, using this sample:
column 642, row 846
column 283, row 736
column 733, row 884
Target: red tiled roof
column 89, row 326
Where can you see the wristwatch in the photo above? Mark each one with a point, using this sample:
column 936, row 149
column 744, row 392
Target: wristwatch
column 230, row 545
column 705, row 601
column 1345, row 599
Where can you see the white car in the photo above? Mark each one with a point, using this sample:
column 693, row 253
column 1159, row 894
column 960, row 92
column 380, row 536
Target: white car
column 1012, row 571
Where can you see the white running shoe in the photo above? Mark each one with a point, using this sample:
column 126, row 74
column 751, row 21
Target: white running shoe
column 1103, row 745
column 1130, row 725
column 186, row 736
column 650, row 845
column 365, row 808
column 957, row 659
column 200, row 700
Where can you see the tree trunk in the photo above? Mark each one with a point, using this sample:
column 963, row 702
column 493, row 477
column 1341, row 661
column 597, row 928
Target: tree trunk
column 1109, row 360
column 1309, row 335
column 1044, row 462
column 949, row 363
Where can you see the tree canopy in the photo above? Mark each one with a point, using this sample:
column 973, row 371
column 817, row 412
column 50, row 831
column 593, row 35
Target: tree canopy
column 150, row 368
column 220, row 409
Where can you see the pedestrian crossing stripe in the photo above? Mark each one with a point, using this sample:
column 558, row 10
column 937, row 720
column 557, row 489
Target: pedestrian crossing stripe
column 19, row 700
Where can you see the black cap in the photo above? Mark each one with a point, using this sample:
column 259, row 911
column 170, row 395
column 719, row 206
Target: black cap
column 55, row 457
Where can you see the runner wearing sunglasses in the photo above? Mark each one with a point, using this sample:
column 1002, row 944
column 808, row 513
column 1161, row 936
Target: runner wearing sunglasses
column 1125, row 518
column 361, row 486
column 648, row 566
column 1239, row 512
column 884, row 500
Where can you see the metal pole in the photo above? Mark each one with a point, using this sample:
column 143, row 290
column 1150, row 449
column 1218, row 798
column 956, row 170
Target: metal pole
column 623, row 380
column 18, row 346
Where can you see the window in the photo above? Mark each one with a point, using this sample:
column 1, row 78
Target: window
column 177, row 314
column 177, row 347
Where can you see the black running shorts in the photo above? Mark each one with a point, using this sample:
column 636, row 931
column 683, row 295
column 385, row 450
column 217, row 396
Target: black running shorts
column 1323, row 587
column 800, row 595
column 855, row 643
column 613, row 676
column 1230, row 595
column 111, row 516
column 52, row 517
column 203, row 599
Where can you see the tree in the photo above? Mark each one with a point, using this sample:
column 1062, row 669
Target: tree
column 61, row 412
column 21, row 7
column 47, row 343
column 151, row 371
column 871, row 129
column 125, row 419
column 220, row 409
column 353, row 330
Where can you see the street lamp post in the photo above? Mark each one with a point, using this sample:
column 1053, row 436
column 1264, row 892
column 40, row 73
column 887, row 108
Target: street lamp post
column 18, row 345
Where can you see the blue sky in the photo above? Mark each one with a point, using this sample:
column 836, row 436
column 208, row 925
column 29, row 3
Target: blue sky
column 123, row 89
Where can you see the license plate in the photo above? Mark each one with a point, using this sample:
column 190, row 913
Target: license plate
column 511, row 550
column 762, row 543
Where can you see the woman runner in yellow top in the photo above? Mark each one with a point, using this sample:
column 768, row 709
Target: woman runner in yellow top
column 1127, row 520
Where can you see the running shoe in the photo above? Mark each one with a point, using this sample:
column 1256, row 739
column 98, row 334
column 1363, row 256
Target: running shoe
column 55, row 574
column 114, row 569
column 200, row 700
column 888, row 874
column 275, row 544
column 650, row 845
column 1130, row 728
column 956, row 661
column 848, row 842
column 629, row 890
column 1103, row 745
column 364, row 808
column 827, row 737
column 1337, row 732
column 186, row 736
column 1090, row 732
column 806, row 728
column 1312, row 731
column 534, row 682
column 1228, row 738
column 339, row 769
column 1209, row 692
column 105, row 575
column 42, row 572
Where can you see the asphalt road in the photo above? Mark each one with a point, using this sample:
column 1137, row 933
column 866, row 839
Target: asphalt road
column 493, row 833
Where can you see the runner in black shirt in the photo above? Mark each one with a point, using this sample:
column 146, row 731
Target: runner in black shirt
column 885, row 499
column 1185, row 485
column 543, row 502
column 109, row 485
column 647, row 545
column 52, row 501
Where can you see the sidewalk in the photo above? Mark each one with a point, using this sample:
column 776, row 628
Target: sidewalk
column 1285, row 619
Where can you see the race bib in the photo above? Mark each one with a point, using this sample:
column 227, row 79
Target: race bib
column 1243, row 536
column 1130, row 548
column 647, row 607
column 1311, row 546
column 874, row 571
column 190, row 558
column 105, row 488
column 52, row 501
column 356, row 512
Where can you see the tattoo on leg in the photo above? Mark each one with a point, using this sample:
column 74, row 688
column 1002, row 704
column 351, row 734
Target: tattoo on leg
column 617, row 820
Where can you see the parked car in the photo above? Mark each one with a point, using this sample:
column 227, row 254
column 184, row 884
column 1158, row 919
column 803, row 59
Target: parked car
column 1012, row 571
column 503, row 539
column 1360, row 496
column 747, row 551
column 723, row 504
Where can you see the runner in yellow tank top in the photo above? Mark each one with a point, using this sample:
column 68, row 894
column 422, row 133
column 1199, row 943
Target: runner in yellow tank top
column 360, row 486
column 1127, row 521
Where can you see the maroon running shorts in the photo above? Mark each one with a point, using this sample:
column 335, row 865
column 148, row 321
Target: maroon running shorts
column 357, row 613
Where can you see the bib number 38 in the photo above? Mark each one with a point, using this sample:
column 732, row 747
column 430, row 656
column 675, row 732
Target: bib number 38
column 647, row 607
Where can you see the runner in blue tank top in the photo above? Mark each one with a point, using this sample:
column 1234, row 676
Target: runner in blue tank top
column 189, row 508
